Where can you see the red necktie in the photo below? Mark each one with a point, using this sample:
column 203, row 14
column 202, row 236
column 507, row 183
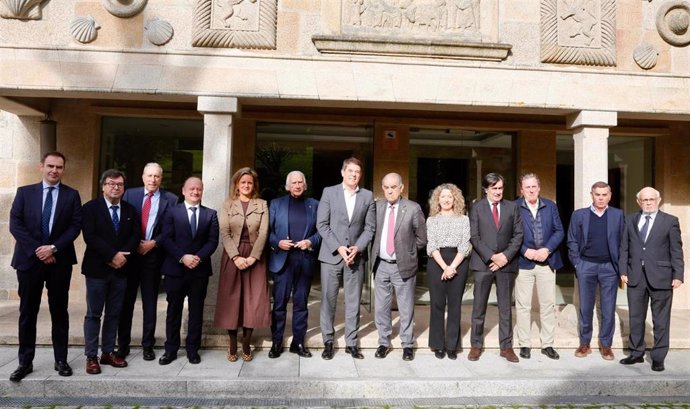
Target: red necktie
column 390, row 239
column 495, row 212
column 145, row 210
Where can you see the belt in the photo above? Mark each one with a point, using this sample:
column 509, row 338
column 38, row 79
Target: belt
column 388, row 261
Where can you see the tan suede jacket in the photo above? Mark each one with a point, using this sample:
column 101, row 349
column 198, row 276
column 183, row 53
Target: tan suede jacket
column 231, row 220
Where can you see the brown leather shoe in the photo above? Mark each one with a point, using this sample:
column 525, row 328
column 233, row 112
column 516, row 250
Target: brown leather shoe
column 474, row 354
column 606, row 353
column 583, row 350
column 113, row 360
column 92, row 367
column 509, row 355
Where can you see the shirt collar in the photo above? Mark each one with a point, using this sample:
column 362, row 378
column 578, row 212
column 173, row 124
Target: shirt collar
column 346, row 190
column 188, row 205
column 46, row 185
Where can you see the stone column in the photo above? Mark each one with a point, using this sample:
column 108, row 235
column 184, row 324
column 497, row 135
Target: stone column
column 591, row 150
column 216, row 174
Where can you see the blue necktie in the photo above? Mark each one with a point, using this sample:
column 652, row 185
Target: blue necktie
column 116, row 219
column 45, row 216
column 192, row 221
column 645, row 227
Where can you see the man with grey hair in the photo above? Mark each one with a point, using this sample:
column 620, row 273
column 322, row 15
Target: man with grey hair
column 151, row 203
column 293, row 240
column 400, row 233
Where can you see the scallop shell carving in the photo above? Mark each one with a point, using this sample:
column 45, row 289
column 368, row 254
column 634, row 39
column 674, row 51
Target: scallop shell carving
column 124, row 8
column 21, row 9
column 646, row 56
column 158, row 32
column 84, row 29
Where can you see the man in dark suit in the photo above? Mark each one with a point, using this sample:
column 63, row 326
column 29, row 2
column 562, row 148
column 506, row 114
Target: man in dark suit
column 44, row 220
column 594, row 236
column 293, row 240
column 539, row 260
column 346, row 220
column 496, row 237
column 151, row 203
column 400, row 233
column 190, row 237
column 111, row 231
column 651, row 264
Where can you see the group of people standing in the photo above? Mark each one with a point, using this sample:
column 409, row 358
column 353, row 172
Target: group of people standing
column 133, row 237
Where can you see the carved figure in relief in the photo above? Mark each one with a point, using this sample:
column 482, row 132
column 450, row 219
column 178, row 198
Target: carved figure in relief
column 581, row 19
column 379, row 13
column 238, row 11
column 430, row 15
column 462, row 14
column 356, row 11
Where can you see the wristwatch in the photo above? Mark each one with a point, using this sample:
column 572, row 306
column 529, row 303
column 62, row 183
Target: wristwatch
column 53, row 248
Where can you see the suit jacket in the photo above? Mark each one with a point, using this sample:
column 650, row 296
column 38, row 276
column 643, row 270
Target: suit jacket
column 135, row 197
column 488, row 240
column 279, row 229
column 102, row 242
column 552, row 230
column 337, row 230
column 25, row 225
column 232, row 218
column 579, row 229
column 410, row 235
column 662, row 253
column 177, row 240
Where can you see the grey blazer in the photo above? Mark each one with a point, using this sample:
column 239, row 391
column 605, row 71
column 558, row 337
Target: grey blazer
column 487, row 240
column 410, row 235
column 335, row 228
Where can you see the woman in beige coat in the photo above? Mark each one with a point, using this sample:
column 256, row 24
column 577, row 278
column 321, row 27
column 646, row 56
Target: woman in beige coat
column 243, row 298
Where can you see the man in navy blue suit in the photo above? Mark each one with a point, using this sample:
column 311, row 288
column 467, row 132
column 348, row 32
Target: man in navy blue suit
column 293, row 240
column 45, row 219
column 111, row 231
column 594, row 236
column 190, row 236
column 151, row 203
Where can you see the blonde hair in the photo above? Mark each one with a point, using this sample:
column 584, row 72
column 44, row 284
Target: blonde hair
column 234, row 192
column 458, row 199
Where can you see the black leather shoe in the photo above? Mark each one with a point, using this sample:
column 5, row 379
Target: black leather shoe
column 122, row 352
column 629, row 360
column 440, row 353
column 550, row 352
column 148, row 354
column 525, row 352
column 300, row 350
column 354, row 351
column 167, row 358
column 327, row 353
column 275, row 351
column 408, row 354
column 63, row 368
column 21, row 372
column 382, row 351
column 452, row 355
column 193, row 358
column 657, row 366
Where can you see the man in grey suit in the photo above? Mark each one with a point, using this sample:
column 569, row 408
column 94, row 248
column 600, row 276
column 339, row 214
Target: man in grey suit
column 496, row 237
column 400, row 233
column 651, row 264
column 346, row 221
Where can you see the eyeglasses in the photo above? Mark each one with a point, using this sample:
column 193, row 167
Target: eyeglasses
column 113, row 185
column 648, row 200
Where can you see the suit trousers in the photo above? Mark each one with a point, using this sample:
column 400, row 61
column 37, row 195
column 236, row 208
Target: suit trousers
column 353, row 277
column 56, row 279
column 504, row 293
column 444, row 333
column 387, row 280
column 589, row 275
column 147, row 276
column 103, row 293
column 638, row 301
column 177, row 288
column 293, row 279
column 544, row 279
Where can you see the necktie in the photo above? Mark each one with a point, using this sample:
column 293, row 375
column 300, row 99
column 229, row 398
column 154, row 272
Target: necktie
column 192, row 221
column 390, row 238
column 45, row 216
column 645, row 227
column 116, row 218
column 495, row 213
column 145, row 211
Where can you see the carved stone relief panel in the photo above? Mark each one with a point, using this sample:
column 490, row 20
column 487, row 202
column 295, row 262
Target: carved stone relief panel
column 124, row 8
column 21, row 9
column 235, row 23
column 578, row 32
column 673, row 22
column 458, row 19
